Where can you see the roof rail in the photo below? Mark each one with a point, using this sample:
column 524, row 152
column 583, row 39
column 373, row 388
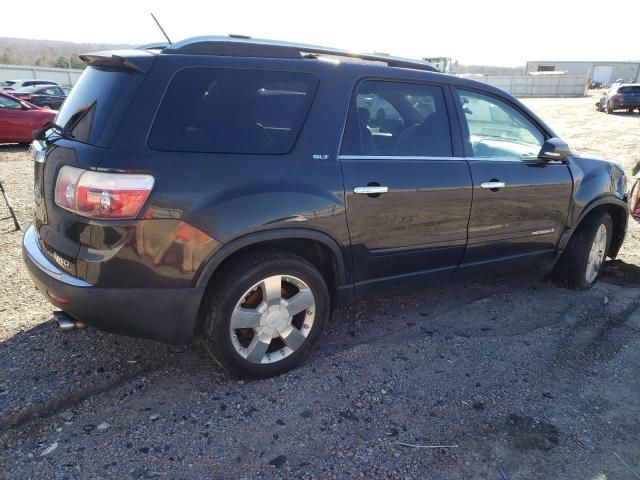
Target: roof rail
column 152, row 46
column 236, row 45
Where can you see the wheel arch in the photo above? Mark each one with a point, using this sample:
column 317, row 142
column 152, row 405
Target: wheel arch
column 619, row 211
column 317, row 247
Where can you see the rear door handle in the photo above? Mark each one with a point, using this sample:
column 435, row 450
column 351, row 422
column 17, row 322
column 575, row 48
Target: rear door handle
column 371, row 189
column 493, row 185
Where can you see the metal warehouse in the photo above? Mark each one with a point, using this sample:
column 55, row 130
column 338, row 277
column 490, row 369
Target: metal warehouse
column 601, row 72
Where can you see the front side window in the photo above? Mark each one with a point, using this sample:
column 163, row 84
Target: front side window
column 497, row 130
column 226, row 110
column 398, row 119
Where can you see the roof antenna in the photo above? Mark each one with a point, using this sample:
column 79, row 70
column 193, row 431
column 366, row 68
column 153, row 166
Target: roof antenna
column 161, row 29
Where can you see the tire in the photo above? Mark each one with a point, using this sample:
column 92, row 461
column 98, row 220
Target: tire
column 573, row 269
column 609, row 109
column 630, row 110
column 241, row 299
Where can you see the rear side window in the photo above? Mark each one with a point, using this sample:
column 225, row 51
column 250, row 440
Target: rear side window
column 398, row 119
column 225, row 110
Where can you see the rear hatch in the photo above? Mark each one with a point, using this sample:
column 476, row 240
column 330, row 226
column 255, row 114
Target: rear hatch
column 630, row 94
column 84, row 128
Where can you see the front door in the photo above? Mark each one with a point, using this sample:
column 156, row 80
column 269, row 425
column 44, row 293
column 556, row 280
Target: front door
column 408, row 189
column 520, row 205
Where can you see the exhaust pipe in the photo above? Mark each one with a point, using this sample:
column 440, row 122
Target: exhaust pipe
column 66, row 323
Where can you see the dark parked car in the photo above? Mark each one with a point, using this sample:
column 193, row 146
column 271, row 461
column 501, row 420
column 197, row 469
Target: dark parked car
column 238, row 188
column 11, row 85
column 620, row 96
column 48, row 96
column 19, row 119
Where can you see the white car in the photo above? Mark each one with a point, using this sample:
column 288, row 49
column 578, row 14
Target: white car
column 18, row 84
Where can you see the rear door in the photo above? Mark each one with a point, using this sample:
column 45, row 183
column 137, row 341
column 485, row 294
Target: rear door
column 520, row 205
column 408, row 191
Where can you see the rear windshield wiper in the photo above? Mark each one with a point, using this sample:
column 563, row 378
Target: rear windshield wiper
column 63, row 131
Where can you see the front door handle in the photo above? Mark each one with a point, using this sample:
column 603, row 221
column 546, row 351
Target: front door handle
column 371, row 189
column 493, row 185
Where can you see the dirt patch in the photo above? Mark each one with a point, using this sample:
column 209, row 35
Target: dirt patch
column 527, row 433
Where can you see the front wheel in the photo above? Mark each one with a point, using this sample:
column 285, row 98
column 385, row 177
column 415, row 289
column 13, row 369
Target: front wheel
column 583, row 259
column 266, row 314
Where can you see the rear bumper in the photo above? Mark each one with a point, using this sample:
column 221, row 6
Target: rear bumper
column 165, row 314
column 634, row 104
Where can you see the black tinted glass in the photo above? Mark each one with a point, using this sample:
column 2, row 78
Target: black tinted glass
column 631, row 89
column 93, row 101
column 222, row 110
column 393, row 118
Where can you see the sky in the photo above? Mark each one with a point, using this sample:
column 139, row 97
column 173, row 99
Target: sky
column 481, row 32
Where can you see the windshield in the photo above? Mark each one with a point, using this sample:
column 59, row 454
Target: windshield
column 95, row 106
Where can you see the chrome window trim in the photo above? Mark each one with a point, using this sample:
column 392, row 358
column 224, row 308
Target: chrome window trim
column 471, row 159
column 395, row 157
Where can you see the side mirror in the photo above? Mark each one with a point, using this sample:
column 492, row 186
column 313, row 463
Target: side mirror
column 554, row 149
column 25, row 106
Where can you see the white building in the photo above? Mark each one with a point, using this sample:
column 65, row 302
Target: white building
column 601, row 72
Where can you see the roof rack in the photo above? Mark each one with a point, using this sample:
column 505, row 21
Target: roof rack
column 238, row 45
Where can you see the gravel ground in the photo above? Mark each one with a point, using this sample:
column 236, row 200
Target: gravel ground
column 509, row 379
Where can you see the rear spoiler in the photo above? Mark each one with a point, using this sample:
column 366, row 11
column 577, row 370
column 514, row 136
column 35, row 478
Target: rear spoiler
column 132, row 61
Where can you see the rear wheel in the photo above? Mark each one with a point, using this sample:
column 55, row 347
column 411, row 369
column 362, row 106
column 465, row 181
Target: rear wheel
column 266, row 314
column 583, row 259
column 630, row 110
column 609, row 108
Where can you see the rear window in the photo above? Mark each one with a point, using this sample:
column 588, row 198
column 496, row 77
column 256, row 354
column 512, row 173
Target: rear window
column 96, row 104
column 223, row 110
column 633, row 89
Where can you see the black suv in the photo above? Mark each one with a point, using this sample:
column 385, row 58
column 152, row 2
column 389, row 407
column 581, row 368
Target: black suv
column 245, row 188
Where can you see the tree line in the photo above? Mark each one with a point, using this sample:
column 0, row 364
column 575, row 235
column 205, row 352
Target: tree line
column 47, row 53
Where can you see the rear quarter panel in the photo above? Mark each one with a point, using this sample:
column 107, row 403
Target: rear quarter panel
column 229, row 196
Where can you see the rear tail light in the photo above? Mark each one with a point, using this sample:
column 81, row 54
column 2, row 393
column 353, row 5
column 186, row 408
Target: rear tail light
column 616, row 96
column 102, row 195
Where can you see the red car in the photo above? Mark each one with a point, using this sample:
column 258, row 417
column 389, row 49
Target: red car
column 18, row 119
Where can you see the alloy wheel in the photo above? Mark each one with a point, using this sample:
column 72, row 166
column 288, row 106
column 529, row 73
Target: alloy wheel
column 272, row 319
column 597, row 253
